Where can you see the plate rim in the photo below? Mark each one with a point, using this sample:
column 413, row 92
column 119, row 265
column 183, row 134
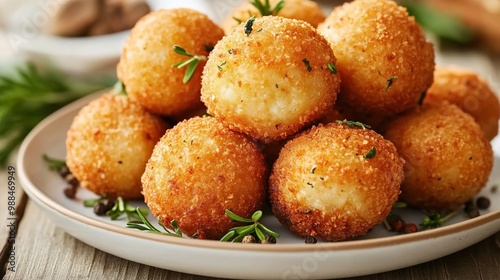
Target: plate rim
column 41, row 198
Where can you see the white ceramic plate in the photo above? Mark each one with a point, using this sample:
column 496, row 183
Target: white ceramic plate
column 379, row 251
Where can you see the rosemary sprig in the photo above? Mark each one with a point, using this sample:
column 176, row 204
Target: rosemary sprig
column 444, row 25
column 191, row 63
column 145, row 225
column 236, row 234
column 265, row 8
column 28, row 96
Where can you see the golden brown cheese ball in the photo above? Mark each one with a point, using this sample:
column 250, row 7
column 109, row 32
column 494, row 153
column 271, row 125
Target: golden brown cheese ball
column 448, row 159
column 146, row 64
column 199, row 169
column 469, row 92
column 109, row 143
column 335, row 182
column 270, row 77
column 306, row 10
column 383, row 57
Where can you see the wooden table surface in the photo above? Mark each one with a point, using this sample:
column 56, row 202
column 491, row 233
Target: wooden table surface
column 44, row 251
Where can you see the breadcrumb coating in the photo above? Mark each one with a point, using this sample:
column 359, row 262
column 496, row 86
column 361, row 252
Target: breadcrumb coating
column 469, row 92
column 306, row 10
column 108, row 144
column 270, row 78
column 383, row 57
column 335, row 182
column 199, row 169
column 146, row 64
column 448, row 159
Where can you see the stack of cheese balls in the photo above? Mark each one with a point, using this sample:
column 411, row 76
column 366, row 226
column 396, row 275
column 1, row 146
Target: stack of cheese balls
column 290, row 98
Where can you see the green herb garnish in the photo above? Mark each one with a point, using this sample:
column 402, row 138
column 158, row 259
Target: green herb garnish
column 390, row 81
column 444, row 25
column 435, row 219
column 54, row 164
column 306, row 62
column 371, row 153
column 236, row 234
column 145, row 225
column 120, row 208
column 220, row 65
column 265, row 8
column 353, row 124
column 494, row 188
column 28, row 95
column 119, row 88
column 249, row 26
column 332, row 68
column 191, row 63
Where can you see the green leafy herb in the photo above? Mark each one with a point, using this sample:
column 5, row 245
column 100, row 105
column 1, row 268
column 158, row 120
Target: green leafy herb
column 444, row 25
column 120, row 208
column 191, row 63
column 54, row 164
column 306, row 62
column 371, row 153
column 435, row 219
column 332, row 68
column 249, row 26
column 239, row 21
column 390, row 81
column 353, row 124
column 144, row 225
column 399, row 205
column 236, row 234
column 494, row 188
column 28, row 95
column 265, row 8
column 220, row 65
column 119, row 88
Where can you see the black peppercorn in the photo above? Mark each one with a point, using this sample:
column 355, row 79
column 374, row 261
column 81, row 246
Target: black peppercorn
column 269, row 240
column 483, row 202
column 311, row 240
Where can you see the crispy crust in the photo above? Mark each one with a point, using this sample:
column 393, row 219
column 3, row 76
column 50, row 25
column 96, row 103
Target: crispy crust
column 199, row 169
column 109, row 143
column 448, row 159
column 469, row 92
column 306, row 10
column 374, row 42
column 272, row 82
column 321, row 184
column 146, row 62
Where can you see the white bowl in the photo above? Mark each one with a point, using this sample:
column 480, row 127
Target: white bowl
column 84, row 56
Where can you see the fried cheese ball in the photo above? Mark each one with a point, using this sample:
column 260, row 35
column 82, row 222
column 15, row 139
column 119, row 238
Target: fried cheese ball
column 199, row 169
column 108, row 144
column 306, row 10
column 146, row 64
column 447, row 158
column 384, row 60
column 469, row 92
column 271, row 77
column 335, row 182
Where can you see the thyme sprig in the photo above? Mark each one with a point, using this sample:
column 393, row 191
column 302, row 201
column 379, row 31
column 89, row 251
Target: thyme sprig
column 192, row 63
column 435, row 219
column 144, row 225
column 265, row 8
column 54, row 164
column 236, row 234
column 120, row 208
